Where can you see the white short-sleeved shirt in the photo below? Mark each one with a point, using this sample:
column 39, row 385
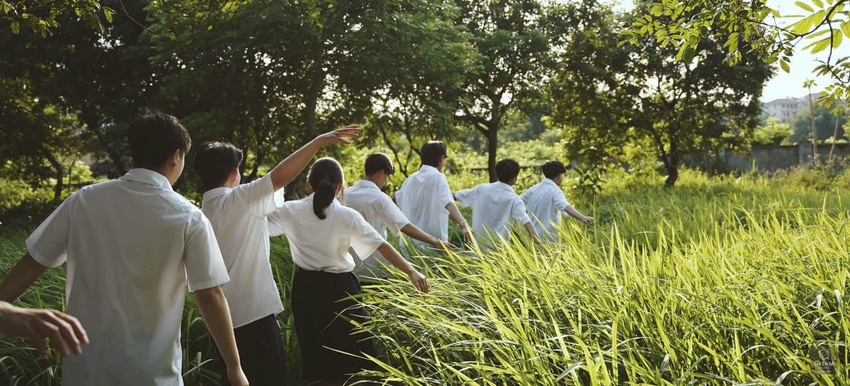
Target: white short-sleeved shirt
column 238, row 216
column 322, row 245
column 494, row 207
column 131, row 245
column 423, row 198
column 546, row 204
column 381, row 212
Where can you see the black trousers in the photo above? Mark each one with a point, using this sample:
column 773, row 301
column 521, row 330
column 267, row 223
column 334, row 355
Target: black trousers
column 261, row 353
column 323, row 314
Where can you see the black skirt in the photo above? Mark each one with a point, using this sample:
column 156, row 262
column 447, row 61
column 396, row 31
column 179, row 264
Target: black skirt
column 323, row 313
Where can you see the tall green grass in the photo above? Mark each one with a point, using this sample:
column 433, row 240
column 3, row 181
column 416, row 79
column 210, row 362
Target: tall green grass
column 724, row 280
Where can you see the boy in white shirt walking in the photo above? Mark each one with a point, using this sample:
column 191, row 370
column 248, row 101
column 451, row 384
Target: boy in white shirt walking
column 238, row 216
column 546, row 202
column 131, row 245
column 379, row 210
column 495, row 206
column 426, row 199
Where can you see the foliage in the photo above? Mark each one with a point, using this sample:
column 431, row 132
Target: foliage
column 825, row 124
column 608, row 95
column 772, row 133
column 744, row 27
column 514, row 58
column 42, row 17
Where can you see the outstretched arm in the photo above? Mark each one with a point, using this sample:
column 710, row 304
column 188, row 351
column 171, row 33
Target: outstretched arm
column 572, row 211
column 418, row 234
column 26, row 272
column 216, row 313
column 292, row 166
column 418, row 280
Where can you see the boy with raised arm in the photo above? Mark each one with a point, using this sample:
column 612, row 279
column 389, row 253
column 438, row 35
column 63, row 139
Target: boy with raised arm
column 131, row 245
column 426, row 199
column 546, row 202
column 379, row 210
column 495, row 205
column 238, row 216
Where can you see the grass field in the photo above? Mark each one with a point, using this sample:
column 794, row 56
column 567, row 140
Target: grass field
column 718, row 281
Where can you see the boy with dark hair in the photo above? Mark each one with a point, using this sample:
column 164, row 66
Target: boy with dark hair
column 495, row 205
column 238, row 215
column 546, row 201
column 380, row 211
column 425, row 197
column 131, row 245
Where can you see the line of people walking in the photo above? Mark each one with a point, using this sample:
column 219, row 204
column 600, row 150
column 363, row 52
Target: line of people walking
column 132, row 245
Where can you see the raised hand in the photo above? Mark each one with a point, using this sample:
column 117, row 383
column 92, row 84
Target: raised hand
column 344, row 135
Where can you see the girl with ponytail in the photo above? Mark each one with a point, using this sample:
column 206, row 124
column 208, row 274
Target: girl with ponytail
column 320, row 232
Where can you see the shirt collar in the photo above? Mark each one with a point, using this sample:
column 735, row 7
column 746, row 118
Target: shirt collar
column 215, row 193
column 503, row 186
column 334, row 203
column 148, row 177
column 367, row 184
column 549, row 181
column 429, row 169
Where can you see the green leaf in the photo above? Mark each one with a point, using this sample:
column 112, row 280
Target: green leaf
column 107, row 13
column 785, row 66
column 819, row 3
column 804, row 6
column 16, row 27
column 845, row 27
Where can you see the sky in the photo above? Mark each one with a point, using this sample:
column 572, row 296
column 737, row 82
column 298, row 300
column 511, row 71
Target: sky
column 784, row 85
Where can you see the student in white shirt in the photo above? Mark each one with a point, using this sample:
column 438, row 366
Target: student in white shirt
column 546, row 202
column 320, row 231
column 131, row 245
column 495, row 206
column 238, row 216
column 63, row 330
column 426, row 199
column 381, row 212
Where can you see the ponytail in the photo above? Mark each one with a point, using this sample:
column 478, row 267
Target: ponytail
column 323, row 196
column 325, row 177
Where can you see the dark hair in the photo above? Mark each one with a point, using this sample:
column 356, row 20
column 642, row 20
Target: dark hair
column 431, row 153
column 325, row 176
column 376, row 162
column 154, row 136
column 507, row 169
column 214, row 161
column 552, row 169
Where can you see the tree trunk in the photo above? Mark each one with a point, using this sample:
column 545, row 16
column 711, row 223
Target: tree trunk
column 492, row 146
column 671, row 163
column 834, row 139
column 60, row 175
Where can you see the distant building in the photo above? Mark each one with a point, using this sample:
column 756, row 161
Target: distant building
column 784, row 109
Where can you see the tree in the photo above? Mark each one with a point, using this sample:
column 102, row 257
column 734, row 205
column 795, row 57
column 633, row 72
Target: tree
column 746, row 27
column 608, row 95
column 514, row 59
column 772, row 133
column 41, row 17
column 825, row 122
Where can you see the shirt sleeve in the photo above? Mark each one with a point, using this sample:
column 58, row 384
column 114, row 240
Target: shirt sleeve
column 466, row 197
column 258, row 196
column 518, row 212
column 561, row 202
column 277, row 221
column 204, row 265
column 393, row 216
column 444, row 193
column 48, row 244
column 365, row 240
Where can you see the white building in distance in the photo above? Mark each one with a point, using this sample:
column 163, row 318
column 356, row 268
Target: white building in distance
column 784, row 109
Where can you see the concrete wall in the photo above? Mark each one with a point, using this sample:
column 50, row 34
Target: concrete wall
column 773, row 158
